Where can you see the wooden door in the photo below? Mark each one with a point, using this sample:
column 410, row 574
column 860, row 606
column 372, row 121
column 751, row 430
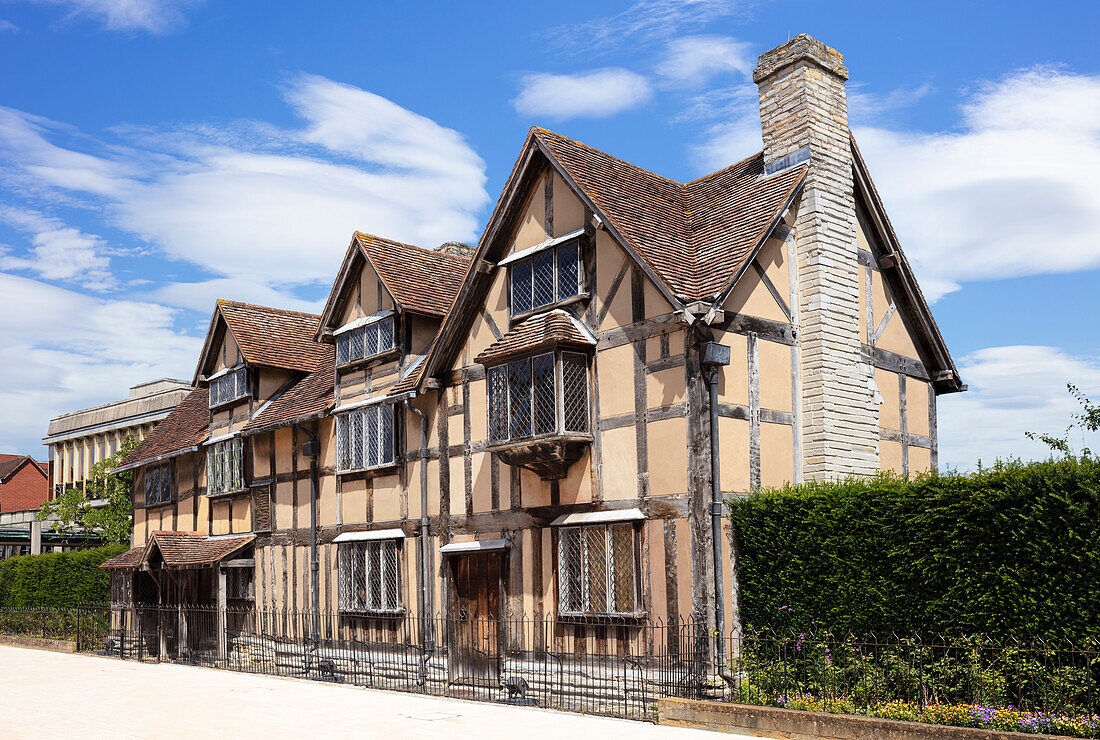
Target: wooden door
column 474, row 629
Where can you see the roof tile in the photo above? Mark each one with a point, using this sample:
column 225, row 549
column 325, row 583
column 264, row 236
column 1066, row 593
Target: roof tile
column 186, row 426
column 542, row 331
column 275, row 337
column 422, row 280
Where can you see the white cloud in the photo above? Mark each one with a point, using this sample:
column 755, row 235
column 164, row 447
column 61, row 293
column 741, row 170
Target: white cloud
column 1011, row 194
column 201, row 296
column 1013, row 390
column 645, row 21
column 596, row 94
column 266, row 205
column 152, row 16
column 76, row 351
column 59, row 252
column 866, row 107
column 693, row 60
column 8, row 26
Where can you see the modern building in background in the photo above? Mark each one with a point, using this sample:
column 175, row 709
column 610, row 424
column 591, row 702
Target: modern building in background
column 24, row 483
column 80, row 439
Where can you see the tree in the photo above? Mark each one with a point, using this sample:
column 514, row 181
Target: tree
column 73, row 509
column 1088, row 420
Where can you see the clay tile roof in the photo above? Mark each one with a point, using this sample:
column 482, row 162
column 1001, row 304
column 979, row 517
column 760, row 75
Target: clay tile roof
column 186, row 426
column 421, row 280
column 542, row 331
column 408, row 383
column 696, row 236
column 127, row 560
column 309, row 396
column 11, row 463
column 275, row 337
column 194, row 549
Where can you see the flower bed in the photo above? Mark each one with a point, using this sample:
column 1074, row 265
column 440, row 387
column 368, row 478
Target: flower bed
column 1006, row 719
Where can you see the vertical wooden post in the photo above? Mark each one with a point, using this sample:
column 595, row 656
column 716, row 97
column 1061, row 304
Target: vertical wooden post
column 162, row 629
column 222, row 651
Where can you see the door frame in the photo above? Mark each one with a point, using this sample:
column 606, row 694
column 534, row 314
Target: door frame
column 500, row 548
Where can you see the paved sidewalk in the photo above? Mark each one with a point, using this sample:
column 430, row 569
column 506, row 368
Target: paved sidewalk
column 45, row 694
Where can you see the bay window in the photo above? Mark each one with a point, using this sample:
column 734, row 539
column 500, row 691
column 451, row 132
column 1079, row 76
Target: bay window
column 365, row 438
column 539, row 396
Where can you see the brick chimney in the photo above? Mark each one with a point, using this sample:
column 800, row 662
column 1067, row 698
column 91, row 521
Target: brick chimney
column 804, row 115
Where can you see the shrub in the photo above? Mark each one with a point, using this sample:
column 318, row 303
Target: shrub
column 1009, row 551
column 57, row 579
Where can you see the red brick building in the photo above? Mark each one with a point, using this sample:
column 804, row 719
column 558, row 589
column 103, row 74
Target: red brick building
column 24, row 483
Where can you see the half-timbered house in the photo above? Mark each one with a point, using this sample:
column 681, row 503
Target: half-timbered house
column 548, row 426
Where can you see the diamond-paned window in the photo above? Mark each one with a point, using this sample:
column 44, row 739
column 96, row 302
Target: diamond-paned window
column 365, row 341
column 370, row 576
column 229, row 387
column 547, row 277
column 159, row 486
column 597, row 570
column 225, row 466
column 538, row 396
column 365, row 438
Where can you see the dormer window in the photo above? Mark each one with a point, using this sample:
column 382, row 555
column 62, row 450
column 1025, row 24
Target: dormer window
column 364, row 339
column 229, row 385
column 551, row 275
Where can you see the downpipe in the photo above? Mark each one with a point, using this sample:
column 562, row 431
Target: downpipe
column 425, row 595
column 312, row 449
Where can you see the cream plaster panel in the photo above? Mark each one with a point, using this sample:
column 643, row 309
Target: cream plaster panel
column 889, row 455
column 386, row 498
column 751, row 297
column 775, row 376
column 458, row 485
column 655, row 303
column 423, row 332
column 221, row 517
column 733, row 379
column 455, row 427
column 139, row 527
column 881, row 295
column 676, row 343
column 204, row 509
column 284, row 500
column 667, row 441
column 532, row 225
column 533, row 490
column 920, row 460
column 576, row 486
column 479, row 403
column 773, row 258
column 242, row 514
column 353, row 501
column 326, row 433
column 568, row 209
column 889, row 414
column 733, row 435
column 683, row 566
column 284, row 450
column 776, row 454
column 896, row 338
column 664, row 387
column 609, row 258
column 433, row 488
column 916, row 406
column 480, row 336
column 482, row 482
column 615, row 373
column 228, row 354
column 620, row 463
column 326, row 500
column 655, row 535
column 496, row 301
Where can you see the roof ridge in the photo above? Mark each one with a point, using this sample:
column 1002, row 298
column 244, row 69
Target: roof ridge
column 366, row 235
column 226, row 301
column 724, row 169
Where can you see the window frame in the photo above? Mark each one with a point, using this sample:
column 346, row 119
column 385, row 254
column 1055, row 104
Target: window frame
column 608, row 612
column 243, row 387
column 355, row 555
column 560, row 429
column 216, row 456
column 164, row 471
column 528, row 263
column 343, row 423
column 374, row 327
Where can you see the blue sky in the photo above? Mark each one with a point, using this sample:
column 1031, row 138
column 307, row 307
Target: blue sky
column 158, row 154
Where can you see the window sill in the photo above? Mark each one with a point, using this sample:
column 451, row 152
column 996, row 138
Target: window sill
column 518, row 317
column 548, row 456
column 390, row 354
column 601, row 618
column 374, row 613
column 374, row 472
column 224, row 494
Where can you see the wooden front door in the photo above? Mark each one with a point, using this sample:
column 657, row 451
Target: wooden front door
column 474, row 629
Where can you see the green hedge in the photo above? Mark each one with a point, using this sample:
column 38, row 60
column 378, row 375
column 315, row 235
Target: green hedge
column 1009, row 551
column 57, row 579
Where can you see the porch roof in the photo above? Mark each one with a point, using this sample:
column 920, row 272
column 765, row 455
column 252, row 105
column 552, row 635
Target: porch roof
column 193, row 549
column 126, row 561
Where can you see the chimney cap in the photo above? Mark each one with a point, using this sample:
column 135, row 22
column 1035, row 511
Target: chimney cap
column 800, row 47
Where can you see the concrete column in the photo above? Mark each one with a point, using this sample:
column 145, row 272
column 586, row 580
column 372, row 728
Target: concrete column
column 36, row 538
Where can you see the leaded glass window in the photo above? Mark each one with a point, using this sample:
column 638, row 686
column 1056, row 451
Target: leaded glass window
column 225, row 466
column 365, row 341
column 365, row 437
column 548, row 277
column 532, row 397
column 370, row 576
column 229, row 387
column 597, row 569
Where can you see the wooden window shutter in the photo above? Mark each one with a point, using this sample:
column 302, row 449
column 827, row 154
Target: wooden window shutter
column 261, row 509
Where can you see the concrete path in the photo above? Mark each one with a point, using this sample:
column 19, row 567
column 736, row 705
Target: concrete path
column 46, row 694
